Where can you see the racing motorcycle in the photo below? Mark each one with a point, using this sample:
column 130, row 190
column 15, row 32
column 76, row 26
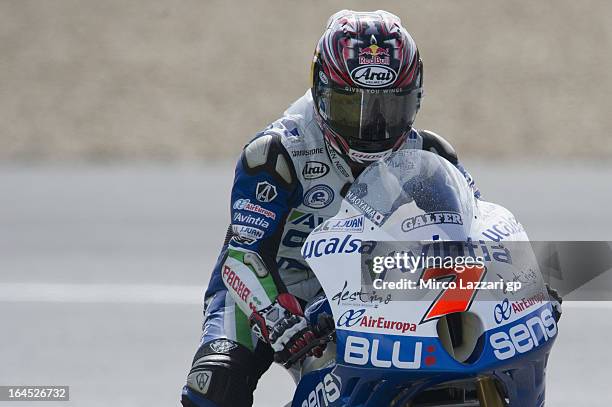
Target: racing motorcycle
column 406, row 336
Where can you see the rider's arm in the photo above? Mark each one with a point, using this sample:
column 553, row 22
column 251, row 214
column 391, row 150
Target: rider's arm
column 265, row 188
column 437, row 144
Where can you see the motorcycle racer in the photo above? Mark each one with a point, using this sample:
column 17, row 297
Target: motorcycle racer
column 367, row 86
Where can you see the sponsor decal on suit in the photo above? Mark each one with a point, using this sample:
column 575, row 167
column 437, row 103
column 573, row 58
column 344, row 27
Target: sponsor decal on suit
column 314, row 170
column 265, row 192
column 247, row 205
column 318, row 197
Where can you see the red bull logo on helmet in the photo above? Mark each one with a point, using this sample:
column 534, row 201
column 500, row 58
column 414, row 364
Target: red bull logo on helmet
column 374, row 55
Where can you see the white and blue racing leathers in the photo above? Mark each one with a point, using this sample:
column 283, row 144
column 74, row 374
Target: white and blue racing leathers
column 287, row 182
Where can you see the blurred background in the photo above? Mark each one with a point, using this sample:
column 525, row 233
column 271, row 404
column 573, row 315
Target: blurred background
column 120, row 122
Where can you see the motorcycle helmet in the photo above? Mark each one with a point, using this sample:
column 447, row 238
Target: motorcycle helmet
column 367, row 84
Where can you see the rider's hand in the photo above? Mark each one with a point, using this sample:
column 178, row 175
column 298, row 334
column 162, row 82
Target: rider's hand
column 556, row 301
column 283, row 326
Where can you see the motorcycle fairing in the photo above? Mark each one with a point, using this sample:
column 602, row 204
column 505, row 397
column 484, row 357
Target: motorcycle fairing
column 372, row 362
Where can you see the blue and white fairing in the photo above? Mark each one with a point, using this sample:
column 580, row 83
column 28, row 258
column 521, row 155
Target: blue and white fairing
column 395, row 343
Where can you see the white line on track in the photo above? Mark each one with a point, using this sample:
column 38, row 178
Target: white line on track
column 140, row 294
column 101, row 293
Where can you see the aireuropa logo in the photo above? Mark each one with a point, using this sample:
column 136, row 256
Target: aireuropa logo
column 350, row 318
column 354, row 317
column 502, row 311
column 245, row 204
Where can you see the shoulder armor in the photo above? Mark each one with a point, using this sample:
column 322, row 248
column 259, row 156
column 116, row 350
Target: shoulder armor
column 436, row 144
column 267, row 153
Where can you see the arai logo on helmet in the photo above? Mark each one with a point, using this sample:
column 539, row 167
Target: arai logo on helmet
column 373, row 76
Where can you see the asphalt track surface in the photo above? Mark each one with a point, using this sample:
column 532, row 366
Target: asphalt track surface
column 102, row 270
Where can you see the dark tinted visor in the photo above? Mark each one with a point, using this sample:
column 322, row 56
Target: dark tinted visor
column 368, row 114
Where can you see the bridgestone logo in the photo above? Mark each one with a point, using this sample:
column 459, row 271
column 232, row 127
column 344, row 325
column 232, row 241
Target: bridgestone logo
column 305, row 153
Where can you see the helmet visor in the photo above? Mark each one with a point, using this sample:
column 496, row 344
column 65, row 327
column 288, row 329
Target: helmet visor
column 368, row 115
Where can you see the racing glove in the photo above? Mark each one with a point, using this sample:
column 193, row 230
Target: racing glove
column 283, row 326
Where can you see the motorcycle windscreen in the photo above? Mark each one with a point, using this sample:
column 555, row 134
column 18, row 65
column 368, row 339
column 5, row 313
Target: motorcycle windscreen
column 415, row 194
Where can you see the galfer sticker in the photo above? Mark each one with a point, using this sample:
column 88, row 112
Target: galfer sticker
column 431, row 218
